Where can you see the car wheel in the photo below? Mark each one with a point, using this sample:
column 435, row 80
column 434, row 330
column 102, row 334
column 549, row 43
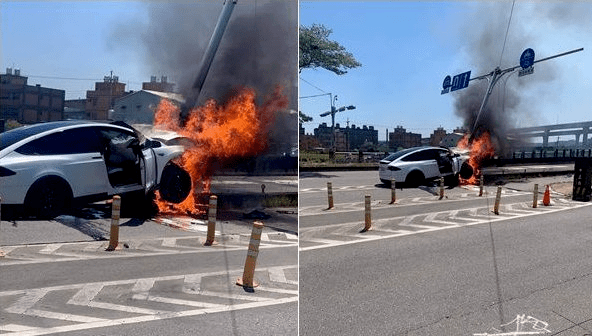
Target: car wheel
column 466, row 171
column 415, row 179
column 48, row 197
column 175, row 183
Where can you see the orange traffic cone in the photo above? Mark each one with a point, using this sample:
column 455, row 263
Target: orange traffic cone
column 547, row 197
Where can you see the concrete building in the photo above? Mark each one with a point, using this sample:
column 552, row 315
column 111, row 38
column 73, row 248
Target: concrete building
column 28, row 104
column 437, row 136
column 162, row 86
column 75, row 109
column 401, row 138
column 102, row 99
column 139, row 107
column 348, row 138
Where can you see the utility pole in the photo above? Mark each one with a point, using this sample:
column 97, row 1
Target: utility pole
column 462, row 80
column 333, row 111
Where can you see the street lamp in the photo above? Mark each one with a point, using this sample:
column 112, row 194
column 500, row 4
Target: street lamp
column 333, row 111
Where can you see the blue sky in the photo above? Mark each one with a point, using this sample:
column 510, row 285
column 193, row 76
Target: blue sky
column 407, row 48
column 72, row 45
column 65, row 45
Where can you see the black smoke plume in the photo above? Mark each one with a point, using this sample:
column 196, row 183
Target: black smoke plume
column 259, row 50
column 507, row 107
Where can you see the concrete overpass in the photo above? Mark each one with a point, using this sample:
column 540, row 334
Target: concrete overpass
column 578, row 129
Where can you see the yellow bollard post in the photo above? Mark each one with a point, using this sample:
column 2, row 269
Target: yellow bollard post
column 367, row 214
column 115, row 213
column 247, row 279
column 393, row 191
column 441, row 188
column 535, row 195
column 498, row 196
column 212, row 208
column 481, row 185
column 330, row 195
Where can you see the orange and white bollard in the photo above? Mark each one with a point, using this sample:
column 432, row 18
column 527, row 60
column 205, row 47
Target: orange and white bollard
column 367, row 214
column 212, row 208
column 393, row 191
column 115, row 213
column 441, row 188
column 547, row 197
column 481, row 185
column 330, row 195
column 535, row 195
column 249, row 270
column 498, row 197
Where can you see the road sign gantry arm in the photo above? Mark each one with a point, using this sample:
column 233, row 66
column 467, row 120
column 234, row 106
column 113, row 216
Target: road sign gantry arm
column 526, row 62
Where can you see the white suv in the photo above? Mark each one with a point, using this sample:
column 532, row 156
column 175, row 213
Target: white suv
column 414, row 166
column 47, row 166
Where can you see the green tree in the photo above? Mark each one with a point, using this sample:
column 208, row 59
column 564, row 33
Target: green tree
column 318, row 51
column 303, row 117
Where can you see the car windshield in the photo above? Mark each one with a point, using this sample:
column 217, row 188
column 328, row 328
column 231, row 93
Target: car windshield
column 394, row 156
column 13, row 136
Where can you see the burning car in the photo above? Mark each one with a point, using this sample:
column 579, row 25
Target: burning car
column 414, row 166
column 47, row 167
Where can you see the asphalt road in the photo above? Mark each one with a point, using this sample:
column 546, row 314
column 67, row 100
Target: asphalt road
column 443, row 267
column 56, row 277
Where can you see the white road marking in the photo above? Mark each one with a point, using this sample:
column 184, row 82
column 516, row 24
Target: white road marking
column 87, row 292
column 276, row 274
column 169, row 242
column 327, row 243
column 15, row 328
column 143, row 248
column 183, row 302
column 50, row 248
column 150, row 318
column 142, row 288
column 192, row 283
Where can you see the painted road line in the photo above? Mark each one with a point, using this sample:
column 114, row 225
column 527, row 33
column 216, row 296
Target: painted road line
column 169, row 242
column 142, row 288
column 73, row 256
column 15, row 328
column 150, row 318
column 327, row 243
column 87, row 292
column 278, row 290
column 50, row 248
column 180, row 302
column 191, row 283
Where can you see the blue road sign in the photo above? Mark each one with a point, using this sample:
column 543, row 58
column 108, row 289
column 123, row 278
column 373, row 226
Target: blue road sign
column 460, row 81
column 446, row 85
column 527, row 58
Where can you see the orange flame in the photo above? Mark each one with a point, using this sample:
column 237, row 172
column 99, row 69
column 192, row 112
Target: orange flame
column 217, row 133
column 479, row 150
